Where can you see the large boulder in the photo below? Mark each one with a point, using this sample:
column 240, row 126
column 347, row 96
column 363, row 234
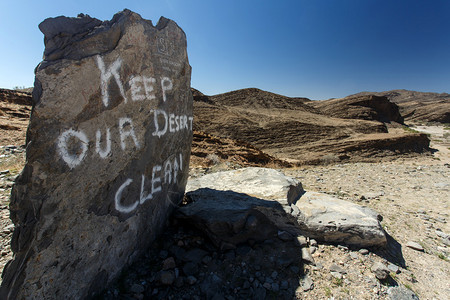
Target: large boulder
column 328, row 219
column 108, row 150
column 236, row 206
column 263, row 183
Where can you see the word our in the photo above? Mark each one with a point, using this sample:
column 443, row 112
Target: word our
column 164, row 124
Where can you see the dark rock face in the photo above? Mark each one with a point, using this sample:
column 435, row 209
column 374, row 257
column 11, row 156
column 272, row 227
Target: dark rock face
column 366, row 107
column 107, row 153
column 419, row 106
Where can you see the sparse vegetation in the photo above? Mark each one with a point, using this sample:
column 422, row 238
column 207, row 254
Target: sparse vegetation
column 442, row 256
column 13, row 163
column 337, row 281
column 409, row 129
column 328, row 292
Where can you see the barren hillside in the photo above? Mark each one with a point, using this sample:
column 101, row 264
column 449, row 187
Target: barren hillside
column 294, row 130
column 419, row 106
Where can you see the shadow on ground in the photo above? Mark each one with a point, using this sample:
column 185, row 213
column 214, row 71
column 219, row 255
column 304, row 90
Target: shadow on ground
column 185, row 263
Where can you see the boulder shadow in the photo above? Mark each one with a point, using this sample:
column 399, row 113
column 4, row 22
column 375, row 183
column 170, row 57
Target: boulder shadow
column 259, row 256
column 392, row 252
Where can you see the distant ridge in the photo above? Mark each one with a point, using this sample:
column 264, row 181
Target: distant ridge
column 418, row 106
column 294, row 130
column 256, row 98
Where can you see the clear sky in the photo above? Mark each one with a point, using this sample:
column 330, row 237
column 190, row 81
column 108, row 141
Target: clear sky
column 314, row 48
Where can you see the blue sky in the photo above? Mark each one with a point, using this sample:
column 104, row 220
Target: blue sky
column 316, row 48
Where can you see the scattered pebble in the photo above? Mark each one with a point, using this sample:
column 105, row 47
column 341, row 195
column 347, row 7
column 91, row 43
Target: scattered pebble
column 380, row 270
column 415, row 246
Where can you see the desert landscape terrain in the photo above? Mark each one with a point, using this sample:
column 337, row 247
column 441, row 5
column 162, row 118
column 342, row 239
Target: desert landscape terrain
column 389, row 151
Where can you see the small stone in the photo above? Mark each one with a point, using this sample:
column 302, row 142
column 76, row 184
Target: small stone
column 167, row 277
column 191, row 280
column 307, row 284
column 442, row 234
column 284, row 285
column 364, row 251
column 307, row 257
column 267, row 285
column 336, row 275
column 275, row 287
column 301, row 240
column 401, row 293
column 294, row 210
column 312, row 249
column 415, row 246
column 393, row 268
column 8, row 229
column 169, row 263
column 246, row 285
column 353, row 255
column 343, row 248
column 338, row 269
column 137, row 289
column 274, row 274
column 313, row 242
column 207, row 259
column 380, row 270
column 442, row 220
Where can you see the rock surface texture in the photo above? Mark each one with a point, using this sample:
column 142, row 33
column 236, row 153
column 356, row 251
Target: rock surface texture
column 107, row 153
column 256, row 203
column 240, row 205
column 332, row 220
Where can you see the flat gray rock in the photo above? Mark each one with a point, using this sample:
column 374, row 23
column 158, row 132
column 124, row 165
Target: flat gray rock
column 240, row 205
column 401, row 293
column 253, row 203
column 262, row 183
column 108, row 150
column 380, row 270
column 415, row 246
column 332, row 220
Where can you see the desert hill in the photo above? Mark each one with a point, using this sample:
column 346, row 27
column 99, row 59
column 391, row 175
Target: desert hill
column 15, row 108
column 293, row 129
column 418, row 106
column 255, row 127
column 366, row 107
